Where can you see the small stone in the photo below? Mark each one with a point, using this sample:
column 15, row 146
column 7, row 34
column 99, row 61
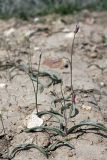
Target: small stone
column 65, row 63
column 46, row 143
column 70, row 154
column 14, row 123
column 91, row 143
column 36, row 19
column 9, row 32
column 93, row 55
column 36, row 48
column 2, row 85
column 32, row 121
column 66, row 30
column 86, row 107
column 102, row 84
column 85, row 95
column 69, row 35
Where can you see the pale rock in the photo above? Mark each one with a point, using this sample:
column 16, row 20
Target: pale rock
column 2, row 85
column 69, row 35
column 86, row 107
column 36, row 48
column 66, row 30
column 85, row 95
column 9, row 32
column 32, row 121
column 93, row 55
column 102, row 84
column 65, row 63
column 36, row 19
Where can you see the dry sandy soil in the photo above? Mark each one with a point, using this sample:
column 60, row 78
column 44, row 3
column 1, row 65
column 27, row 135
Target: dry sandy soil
column 53, row 34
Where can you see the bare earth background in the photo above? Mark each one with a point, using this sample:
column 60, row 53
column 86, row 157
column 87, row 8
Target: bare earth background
column 53, row 34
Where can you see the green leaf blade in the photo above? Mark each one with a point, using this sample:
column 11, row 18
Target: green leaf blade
column 26, row 147
column 88, row 123
column 41, row 128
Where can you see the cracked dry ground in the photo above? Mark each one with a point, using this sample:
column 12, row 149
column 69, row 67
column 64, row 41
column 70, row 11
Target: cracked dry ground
column 54, row 35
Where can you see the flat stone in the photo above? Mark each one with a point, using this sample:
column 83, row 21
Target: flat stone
column 32, row 121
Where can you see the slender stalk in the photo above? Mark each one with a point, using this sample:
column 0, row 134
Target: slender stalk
column 35, row 89
column 38, row 82
column 34, row 92
column 71, row 64
column 30, row 76
column 31, row 71
column 64, row 113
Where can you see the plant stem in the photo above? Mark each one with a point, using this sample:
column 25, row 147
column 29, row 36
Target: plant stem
column 30, row 76
column 72, row 51
column 65, row 113
column 37, row 81
column 71, row 64
column 34, row 93
column 35, row 89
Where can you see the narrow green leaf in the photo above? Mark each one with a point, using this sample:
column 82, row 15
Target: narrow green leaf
column 26, row 147
column 41, row 87
column 52, row 113
column 73, row 110
column 41, row 128
column 53, row 75
column 56, row 100
column 58, row 144
column 88, row 123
